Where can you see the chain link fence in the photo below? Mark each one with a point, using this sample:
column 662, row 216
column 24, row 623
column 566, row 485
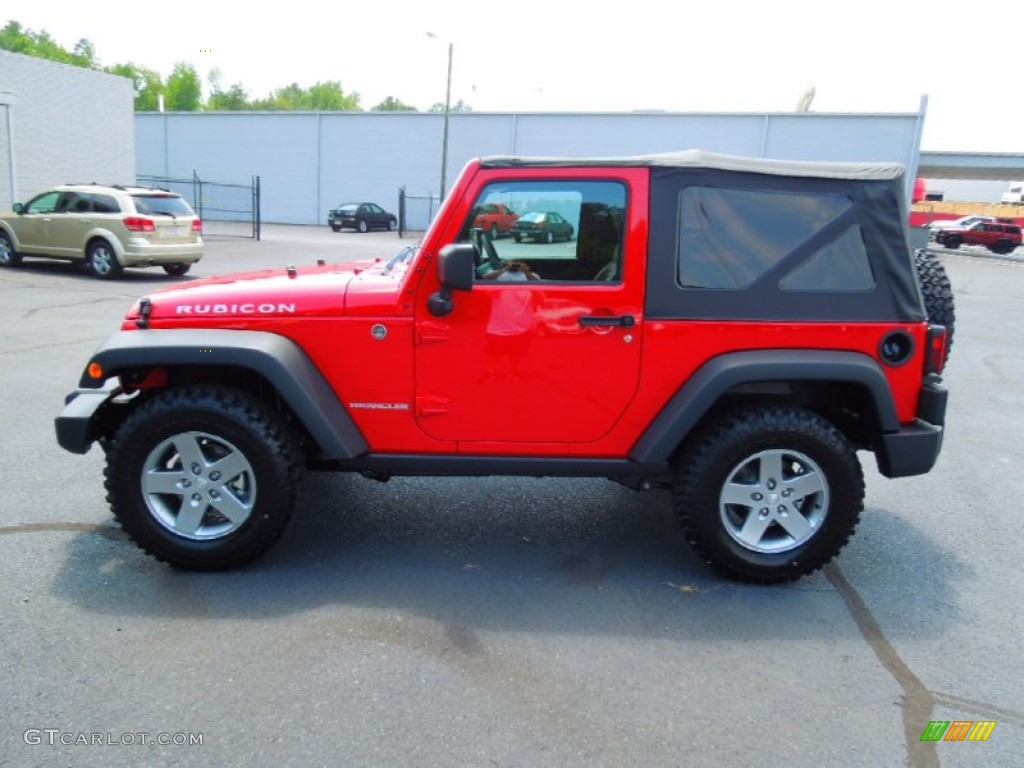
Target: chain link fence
column 415, row 212
column 227, row 209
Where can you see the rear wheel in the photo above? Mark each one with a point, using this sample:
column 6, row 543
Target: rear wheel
column 8, row 256
column 937, row 292
column 768, row 494
column 1002, row 247
column 102, row 261
column 203, row 477
column 177, row 270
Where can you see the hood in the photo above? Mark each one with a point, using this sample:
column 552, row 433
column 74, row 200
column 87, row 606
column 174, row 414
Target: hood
column 317, row 291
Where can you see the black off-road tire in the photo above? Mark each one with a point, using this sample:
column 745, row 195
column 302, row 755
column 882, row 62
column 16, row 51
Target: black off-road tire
column 937, row 292
column 953, row 242
column 1002, row 248
column 209, row 424
column 8, row 256
column 732, row 457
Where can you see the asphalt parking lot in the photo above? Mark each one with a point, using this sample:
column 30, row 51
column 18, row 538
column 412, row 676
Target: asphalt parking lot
column 501, row 622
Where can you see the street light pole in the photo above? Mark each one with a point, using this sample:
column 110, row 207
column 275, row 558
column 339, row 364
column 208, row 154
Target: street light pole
column 447, row 114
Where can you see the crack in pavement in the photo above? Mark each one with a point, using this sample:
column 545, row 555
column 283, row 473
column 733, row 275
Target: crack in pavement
column 106, row 531
column 69, row 305
column 918, row 702
column 93, row 339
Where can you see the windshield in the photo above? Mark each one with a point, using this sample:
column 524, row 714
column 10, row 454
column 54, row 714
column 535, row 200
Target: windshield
column 402, row 256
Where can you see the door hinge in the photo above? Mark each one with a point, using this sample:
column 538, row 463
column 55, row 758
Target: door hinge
column 429, row 332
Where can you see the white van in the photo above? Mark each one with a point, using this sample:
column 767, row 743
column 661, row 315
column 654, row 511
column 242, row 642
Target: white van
column 1016, row 194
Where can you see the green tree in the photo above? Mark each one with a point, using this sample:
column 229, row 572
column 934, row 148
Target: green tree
column 18, row 39
column 327, row 96
column 15, row 39
column 234, row 99
column 148, row 85
column 459, row 106
column 184, row 91
column 84, row 54
column 391, row 104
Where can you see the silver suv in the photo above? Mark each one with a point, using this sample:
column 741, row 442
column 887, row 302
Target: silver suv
column 107, row 228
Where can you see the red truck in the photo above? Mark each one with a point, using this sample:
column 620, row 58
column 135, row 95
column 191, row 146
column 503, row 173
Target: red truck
column 496, row 219
column 729, row 330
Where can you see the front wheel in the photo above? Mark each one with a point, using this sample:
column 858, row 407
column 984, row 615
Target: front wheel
column 953, row 242
column 203, row 477
column 336, row 227
column 768, row 494
column 8, row 256
column 177, row 270
column 362, row 226
column 102, row 261
column 392, row 225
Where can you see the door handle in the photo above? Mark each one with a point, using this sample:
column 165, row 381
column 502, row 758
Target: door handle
column 624, row 321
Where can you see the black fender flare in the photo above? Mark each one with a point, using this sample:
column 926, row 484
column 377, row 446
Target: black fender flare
column 720, row 374
column 276, row 358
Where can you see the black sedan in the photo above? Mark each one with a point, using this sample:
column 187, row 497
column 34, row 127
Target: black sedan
column 542, row 227
column 361, row 217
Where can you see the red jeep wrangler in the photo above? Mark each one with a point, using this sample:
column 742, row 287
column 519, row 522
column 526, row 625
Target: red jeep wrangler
column 729, row 328
column 495, row 219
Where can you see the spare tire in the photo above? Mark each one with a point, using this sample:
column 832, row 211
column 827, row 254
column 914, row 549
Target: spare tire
column 937, row 292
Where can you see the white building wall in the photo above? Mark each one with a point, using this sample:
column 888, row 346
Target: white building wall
column 68, row 124
column 309, row 162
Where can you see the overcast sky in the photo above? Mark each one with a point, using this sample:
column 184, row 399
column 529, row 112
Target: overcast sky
column 716, row 55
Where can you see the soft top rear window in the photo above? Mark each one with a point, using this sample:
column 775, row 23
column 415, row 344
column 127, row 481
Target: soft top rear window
column 162, row 203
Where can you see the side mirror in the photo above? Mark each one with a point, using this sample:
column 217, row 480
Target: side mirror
column 455, row 272
column 18, row 208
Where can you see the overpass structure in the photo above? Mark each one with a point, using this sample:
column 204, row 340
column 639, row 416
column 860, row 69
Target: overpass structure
column 973, row 166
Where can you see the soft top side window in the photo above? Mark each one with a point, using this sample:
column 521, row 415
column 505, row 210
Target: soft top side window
column 731, row 238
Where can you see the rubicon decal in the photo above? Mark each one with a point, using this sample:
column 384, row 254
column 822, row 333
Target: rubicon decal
column 236, row 309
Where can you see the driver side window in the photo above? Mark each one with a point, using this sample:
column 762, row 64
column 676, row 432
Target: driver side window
column 45, row 203
column 563, row 231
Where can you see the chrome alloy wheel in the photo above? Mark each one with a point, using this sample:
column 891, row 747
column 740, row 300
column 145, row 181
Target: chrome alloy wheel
column 774, row 501
column 198, row 486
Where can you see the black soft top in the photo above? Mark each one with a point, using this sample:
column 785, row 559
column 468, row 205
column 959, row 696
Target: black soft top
column 876, row 213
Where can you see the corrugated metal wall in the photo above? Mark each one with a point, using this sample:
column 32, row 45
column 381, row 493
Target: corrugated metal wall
column 309, row 162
